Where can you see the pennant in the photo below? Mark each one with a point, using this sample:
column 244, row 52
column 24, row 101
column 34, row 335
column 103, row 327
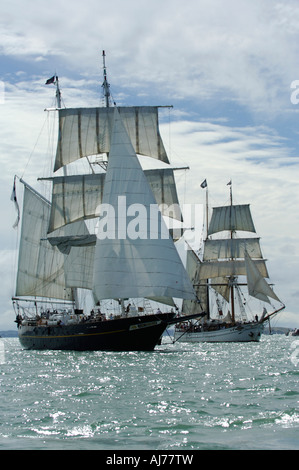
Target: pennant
column 14, row 199
column 229, row 183
column 50, row 80
column 204, row 184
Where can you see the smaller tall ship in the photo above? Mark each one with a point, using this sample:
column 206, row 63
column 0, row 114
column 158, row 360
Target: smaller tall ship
column 127, row 259
column 230, row 271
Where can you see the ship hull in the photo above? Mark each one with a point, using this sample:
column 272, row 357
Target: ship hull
column 247, row 332
column 140, row 333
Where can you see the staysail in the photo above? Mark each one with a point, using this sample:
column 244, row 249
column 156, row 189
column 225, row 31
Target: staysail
column 144, row 262
column 257, row 286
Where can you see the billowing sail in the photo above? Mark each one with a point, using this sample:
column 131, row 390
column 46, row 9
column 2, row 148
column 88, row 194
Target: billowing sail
column 136, row 256
column 214, row 269
column 233, row 217
column 41, row 266
column 87, row 131
column 257, row 286
column 231, row 248
column 77, row 197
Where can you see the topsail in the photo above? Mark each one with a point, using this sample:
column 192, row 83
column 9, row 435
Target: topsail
column 87, row 131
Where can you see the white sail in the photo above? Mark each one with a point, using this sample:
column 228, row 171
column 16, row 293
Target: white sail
column 77, row 197
column 192, row 268
column 87, row 131
column 257, row 286
column 221, row 286
column 40, row 266
column 78, row 246
column 231, row 248
column 214, row 269
column 145, row 266
column 233, row 217
column 79, row 267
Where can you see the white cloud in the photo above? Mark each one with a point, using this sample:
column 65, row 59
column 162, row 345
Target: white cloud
column 241, row 50
column 227, row 67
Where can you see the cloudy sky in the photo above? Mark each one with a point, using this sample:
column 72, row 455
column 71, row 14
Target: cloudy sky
column 228, row 68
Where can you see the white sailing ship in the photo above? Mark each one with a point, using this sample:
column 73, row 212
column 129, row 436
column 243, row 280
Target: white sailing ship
column 228, row 263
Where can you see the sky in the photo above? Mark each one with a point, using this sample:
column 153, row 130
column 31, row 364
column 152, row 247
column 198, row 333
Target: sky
column 229, row 69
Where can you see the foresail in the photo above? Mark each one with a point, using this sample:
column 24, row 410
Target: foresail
column 87, row 131
column 143, row 264
column 257, row 286
column 40, row 266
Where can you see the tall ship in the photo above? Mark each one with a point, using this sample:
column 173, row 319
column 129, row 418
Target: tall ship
column 102, row 232
column 229, row 272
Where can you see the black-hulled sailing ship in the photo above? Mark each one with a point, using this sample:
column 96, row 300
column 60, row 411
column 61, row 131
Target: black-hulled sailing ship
column 60, row 253
column 229, row 271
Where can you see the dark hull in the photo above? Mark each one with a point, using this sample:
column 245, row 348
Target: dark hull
column 141, row 333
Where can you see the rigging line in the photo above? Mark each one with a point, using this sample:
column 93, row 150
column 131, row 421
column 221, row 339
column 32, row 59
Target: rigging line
column 33, row 150
column 171, row 339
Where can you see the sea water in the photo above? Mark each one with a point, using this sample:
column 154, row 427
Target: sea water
column 181, row 397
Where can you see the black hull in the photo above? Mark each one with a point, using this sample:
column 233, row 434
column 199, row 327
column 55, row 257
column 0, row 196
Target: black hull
column 141, row 333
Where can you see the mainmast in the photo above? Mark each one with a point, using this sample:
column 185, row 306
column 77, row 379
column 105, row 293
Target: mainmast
column 105, row 84
column 205, row 185
column 231, row 236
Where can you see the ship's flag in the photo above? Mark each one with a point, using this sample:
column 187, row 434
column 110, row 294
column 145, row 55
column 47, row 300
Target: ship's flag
column 50, row 80
column 204, row 184
column 14, row 199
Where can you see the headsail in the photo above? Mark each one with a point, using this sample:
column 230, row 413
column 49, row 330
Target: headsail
column 144, row 266
column 257, row 286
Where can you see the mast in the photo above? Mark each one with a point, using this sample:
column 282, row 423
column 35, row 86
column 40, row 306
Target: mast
column 206, row 237
column 58, row 94
column 105, row 84
column 74, row 290
column 231, row 236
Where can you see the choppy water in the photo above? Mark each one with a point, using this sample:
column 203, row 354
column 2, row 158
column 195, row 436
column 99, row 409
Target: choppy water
column 179, row 397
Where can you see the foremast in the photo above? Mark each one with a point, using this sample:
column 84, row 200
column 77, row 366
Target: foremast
column 105, row 85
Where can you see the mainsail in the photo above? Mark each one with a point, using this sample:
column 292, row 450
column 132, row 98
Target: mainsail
column 144, row 266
